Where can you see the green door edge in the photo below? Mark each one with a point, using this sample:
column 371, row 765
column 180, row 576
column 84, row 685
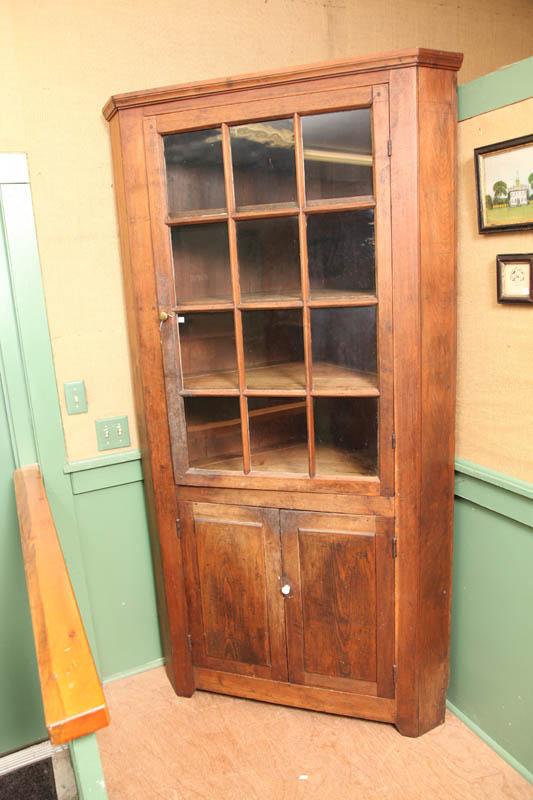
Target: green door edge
column 28, row 380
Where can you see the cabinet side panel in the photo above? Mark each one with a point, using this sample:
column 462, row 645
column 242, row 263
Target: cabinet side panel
column 140, row 296
column 406, row 293
column 437, row 122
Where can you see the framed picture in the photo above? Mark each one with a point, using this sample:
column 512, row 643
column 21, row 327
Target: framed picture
column 514, row 275
column 504, row 179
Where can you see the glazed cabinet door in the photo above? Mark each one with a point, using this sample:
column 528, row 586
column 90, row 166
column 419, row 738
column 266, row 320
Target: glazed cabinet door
column 271, row 234
column 232, row 568
column 339, row 574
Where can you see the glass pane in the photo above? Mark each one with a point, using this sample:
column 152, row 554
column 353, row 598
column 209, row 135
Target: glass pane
column 278, row 434
column 273, row 349
column 208, row 355
column 338, row 154
column 346, row 435
column 214, row 432
column 263, row 163
column 195, row 171
column 344, row 349
column 201, row 263
column 269, row 258
column 341, row 254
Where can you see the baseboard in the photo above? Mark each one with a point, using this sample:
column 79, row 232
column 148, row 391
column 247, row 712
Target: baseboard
column 128, row 673
column 491, row 743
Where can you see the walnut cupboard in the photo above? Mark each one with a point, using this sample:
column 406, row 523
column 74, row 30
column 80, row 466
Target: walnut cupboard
column 288, row 242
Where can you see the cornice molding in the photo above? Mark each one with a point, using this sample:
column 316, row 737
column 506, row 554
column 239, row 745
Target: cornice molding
column 416, row 57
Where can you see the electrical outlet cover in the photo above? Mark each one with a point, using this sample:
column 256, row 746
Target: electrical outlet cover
column 75, row 397
column 112, row 432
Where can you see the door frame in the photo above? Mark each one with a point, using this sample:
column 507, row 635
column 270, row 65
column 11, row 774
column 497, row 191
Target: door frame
column 27, row 367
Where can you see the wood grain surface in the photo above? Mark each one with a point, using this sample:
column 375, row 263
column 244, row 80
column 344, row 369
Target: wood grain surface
column 73, row 698
column 213, row 747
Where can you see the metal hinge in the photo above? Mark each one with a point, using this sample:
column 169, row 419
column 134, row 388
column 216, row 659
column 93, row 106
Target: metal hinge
column 394, row 547
column 395, row 674
column 189, row 642
column 389, row 147
column 393, row 441
column 178, row 528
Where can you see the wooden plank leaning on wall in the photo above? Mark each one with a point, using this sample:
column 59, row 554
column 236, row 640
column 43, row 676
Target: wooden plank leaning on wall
column 73, row 697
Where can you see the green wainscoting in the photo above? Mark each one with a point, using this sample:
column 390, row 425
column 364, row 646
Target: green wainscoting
column 507, row 85
column 491, row 683
column 116, row 553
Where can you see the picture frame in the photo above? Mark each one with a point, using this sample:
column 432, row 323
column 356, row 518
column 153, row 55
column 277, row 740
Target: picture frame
column 514, row 278
column 504, row 185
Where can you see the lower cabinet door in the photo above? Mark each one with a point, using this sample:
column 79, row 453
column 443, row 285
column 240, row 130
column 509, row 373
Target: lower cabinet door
column 232, row 559
column 340, row 605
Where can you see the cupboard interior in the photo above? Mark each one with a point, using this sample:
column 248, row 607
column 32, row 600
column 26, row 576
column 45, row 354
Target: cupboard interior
column 345, row 434
column 258, row 302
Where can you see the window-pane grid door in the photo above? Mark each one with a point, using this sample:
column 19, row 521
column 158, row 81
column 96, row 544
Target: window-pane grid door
column 277, row 233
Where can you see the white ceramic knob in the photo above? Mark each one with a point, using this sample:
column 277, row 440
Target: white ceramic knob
column 286, row 589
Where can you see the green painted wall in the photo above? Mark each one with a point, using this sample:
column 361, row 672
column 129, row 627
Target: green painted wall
column 20, row 699
column 492, row 627
column 116, row 553
column 507, row 85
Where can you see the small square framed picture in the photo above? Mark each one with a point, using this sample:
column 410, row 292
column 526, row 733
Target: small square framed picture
column 514, row 274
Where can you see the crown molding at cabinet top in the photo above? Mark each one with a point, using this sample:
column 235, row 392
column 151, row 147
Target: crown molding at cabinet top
column 395, row 59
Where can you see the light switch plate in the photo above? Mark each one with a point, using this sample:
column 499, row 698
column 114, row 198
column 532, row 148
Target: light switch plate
column 75, row 397
column 112, row 432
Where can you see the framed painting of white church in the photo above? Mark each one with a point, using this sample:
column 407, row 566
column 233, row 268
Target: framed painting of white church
column 504, row 179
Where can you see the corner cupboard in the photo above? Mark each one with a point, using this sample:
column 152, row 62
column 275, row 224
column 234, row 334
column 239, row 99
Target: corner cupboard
column 288, row 242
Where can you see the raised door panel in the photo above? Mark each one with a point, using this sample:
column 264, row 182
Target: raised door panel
column 232, row 561
column 340, row 610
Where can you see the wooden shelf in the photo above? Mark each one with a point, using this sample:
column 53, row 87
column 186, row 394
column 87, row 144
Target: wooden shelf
column 339, row 204
column 266, row 210
column 204, row 304
column 274, row 379
column 324, row 298
column 294, row 459
column 244, row 212
column 223, row 382
column 319, row 298
column 268, row 300
column 334, row 461
column 198, row 217
column 227, row 464
column 276, row 376
column 271, row 411
column 331, row 380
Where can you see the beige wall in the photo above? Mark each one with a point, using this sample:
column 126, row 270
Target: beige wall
column 61, row 59
column 495, row 341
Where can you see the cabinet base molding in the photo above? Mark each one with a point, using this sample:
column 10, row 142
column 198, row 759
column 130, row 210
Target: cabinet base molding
column 379, row 709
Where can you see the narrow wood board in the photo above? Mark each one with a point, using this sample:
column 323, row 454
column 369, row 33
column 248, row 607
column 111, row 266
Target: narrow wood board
column 73, row 698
